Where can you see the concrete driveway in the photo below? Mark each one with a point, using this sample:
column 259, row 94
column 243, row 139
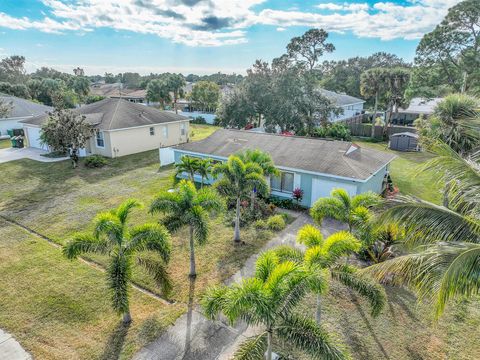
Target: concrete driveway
column 10, row 349
column 11, row 154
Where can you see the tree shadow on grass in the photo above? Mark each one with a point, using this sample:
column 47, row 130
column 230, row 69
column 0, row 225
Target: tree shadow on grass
column 188, row 335
column 114, row 345
column 404, row 299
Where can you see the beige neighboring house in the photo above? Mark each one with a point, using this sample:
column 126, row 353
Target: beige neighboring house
column 121, row 128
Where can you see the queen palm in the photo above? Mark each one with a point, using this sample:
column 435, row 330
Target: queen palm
column 371, row 84
column 187, row 165
column 204, row 169
column 341, row 206
column 236, row 180
column 187, row 206
column 447, row 264
column 147, row 244
column 268, row 299
column 324, row 254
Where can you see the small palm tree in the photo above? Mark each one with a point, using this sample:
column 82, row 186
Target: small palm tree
column 237, row 180
column 187, row 165
column 187, row 206
column 324, row 255
column 148, row 244
column 268, row 299
column 264, row 160
column 341, row 206
column 204, row 169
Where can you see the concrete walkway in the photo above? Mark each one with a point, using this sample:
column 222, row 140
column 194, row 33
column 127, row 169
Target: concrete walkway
column 10, row 349
column 11, row 154
column 193, row 337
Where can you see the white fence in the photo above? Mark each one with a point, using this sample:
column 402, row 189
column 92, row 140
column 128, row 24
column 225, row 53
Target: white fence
column 167, row 156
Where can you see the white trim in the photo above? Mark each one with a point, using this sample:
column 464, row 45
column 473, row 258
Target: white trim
column 149, row 125
column 293, row 169
column 96, row 139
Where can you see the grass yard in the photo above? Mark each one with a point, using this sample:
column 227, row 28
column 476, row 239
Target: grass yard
column 405, row 173
column 199, row 132
column 4, row 144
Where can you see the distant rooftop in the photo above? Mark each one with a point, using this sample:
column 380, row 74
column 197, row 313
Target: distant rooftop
column 341, row 99
column 421, row 106
column 339, row 158
column 24, row 108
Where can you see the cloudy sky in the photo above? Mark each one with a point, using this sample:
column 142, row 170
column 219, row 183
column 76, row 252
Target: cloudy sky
column 203, row 36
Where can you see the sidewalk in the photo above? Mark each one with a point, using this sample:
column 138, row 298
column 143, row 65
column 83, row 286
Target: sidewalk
column 193, row 337
column 10, row 349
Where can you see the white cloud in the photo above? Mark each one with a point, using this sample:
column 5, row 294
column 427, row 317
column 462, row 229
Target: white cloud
column 224, row 22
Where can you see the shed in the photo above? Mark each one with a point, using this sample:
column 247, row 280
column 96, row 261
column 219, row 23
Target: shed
column 405, row 141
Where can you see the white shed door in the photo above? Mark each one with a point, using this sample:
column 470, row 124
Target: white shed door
column 322, row 188
column 33, row 135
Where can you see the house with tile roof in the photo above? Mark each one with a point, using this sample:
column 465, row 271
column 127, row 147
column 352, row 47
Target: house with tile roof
column 314, row 165
column 120, row 127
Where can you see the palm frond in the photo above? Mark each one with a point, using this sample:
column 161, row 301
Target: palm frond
column 328, row 207
column 307, row 336
column 108, row 224
column 84, row 243
column 252, row 349
column 366, row 287
column 343, row 196
column 166, row 202
column 309, row 236
column 340, row 244
column 173, row 222
column 199, row 220
column 431, row 223
column 212, row 301
column 157, row 269
column 124, row 209
column 366, row 199
column 288, row 253
column 265, row 264
column 153, row 237
column 278, row 275
column 209, row 199
column 118, row 275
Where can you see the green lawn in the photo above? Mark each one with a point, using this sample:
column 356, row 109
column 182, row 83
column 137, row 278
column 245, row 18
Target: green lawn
column 199, row 132
column 405, row 173
column 5, row 144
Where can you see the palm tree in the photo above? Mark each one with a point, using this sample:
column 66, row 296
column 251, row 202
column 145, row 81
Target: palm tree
column 176, row 82
column 187, row 165
column 371, row 84
column 148, row 244
column 204, row 169
column 268, row 299
column 341, row 206
column 324, row 255
column 237, row 180
column 447, row 263
column 187, row 206
column 264, row 160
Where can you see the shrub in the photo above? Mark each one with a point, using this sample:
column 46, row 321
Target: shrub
column 260, row 225
column 281, row 202
column 297, row 195
column 276, row 222
column 95, row 161
column 199, row 120
column 336, row 131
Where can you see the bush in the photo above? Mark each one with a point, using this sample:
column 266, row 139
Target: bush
column 336, row 131
column 199, row 120
column 282, row 203
column 260, row 225
column 276, row 222
column 95, row 161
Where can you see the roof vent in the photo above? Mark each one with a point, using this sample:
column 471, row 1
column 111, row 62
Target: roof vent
column 352, row 149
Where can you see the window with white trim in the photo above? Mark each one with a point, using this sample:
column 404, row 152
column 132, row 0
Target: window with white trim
column 100, row 139
column 282, row 183
column 152, row 131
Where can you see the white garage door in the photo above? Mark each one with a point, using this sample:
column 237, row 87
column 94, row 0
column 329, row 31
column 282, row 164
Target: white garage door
column 33, row 135
column 323, row 188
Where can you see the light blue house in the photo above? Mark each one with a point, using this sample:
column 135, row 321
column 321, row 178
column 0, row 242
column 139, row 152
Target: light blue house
column 314, row 165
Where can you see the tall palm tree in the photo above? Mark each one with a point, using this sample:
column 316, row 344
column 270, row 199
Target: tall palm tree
column 148, row 244
column 268, row 299
column 371, row 84
column 187, row 165
column 204, row 169
column 341, row 206
column 446, row 264
column 176, row 82
column 187, row 206
column 236, row 180
column 323, row 255
column 264, row 160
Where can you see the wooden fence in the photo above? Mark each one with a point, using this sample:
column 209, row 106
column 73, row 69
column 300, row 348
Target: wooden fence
column 365, row 130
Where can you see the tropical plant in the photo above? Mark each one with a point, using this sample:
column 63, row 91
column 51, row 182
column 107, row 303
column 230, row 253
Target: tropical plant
column 324, row 255
column 276, row 222
column 147, row 244
column 187, row 165
column 341, row 206
column 236, row 180
column 204, row 169
column 297, row 194
column 187, row 206
column 268, row 299
column 371, row 85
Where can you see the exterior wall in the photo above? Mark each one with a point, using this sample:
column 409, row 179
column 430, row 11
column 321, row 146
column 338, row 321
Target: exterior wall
column 10, row 123
column 375, row 183
column 348, row 112
column 135, row 140
column 107, row 150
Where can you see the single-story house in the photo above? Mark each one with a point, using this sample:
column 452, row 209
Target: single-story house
column 21, row 109
column 351, row 105
column 121, row 128
column 314, row 165
column 417, row 107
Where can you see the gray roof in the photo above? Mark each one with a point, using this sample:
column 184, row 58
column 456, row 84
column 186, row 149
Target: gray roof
column 339, row 158
column 24, row 108
column 110, row 114
column 410, row 134
column 421, row 106
column 340, row 99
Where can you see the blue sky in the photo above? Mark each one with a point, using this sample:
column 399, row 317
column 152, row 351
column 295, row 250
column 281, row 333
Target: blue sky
column 203, row 36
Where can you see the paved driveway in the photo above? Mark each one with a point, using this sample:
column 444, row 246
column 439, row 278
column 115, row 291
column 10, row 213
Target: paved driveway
column 12, row 154
column 193, row 337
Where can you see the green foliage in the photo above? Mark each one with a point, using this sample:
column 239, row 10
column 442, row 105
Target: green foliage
column 276, row 223
column 95, row 161
column 90, row 99
column 205, row 95
column 260, row 224
column 337, row 131
column 158, row 90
